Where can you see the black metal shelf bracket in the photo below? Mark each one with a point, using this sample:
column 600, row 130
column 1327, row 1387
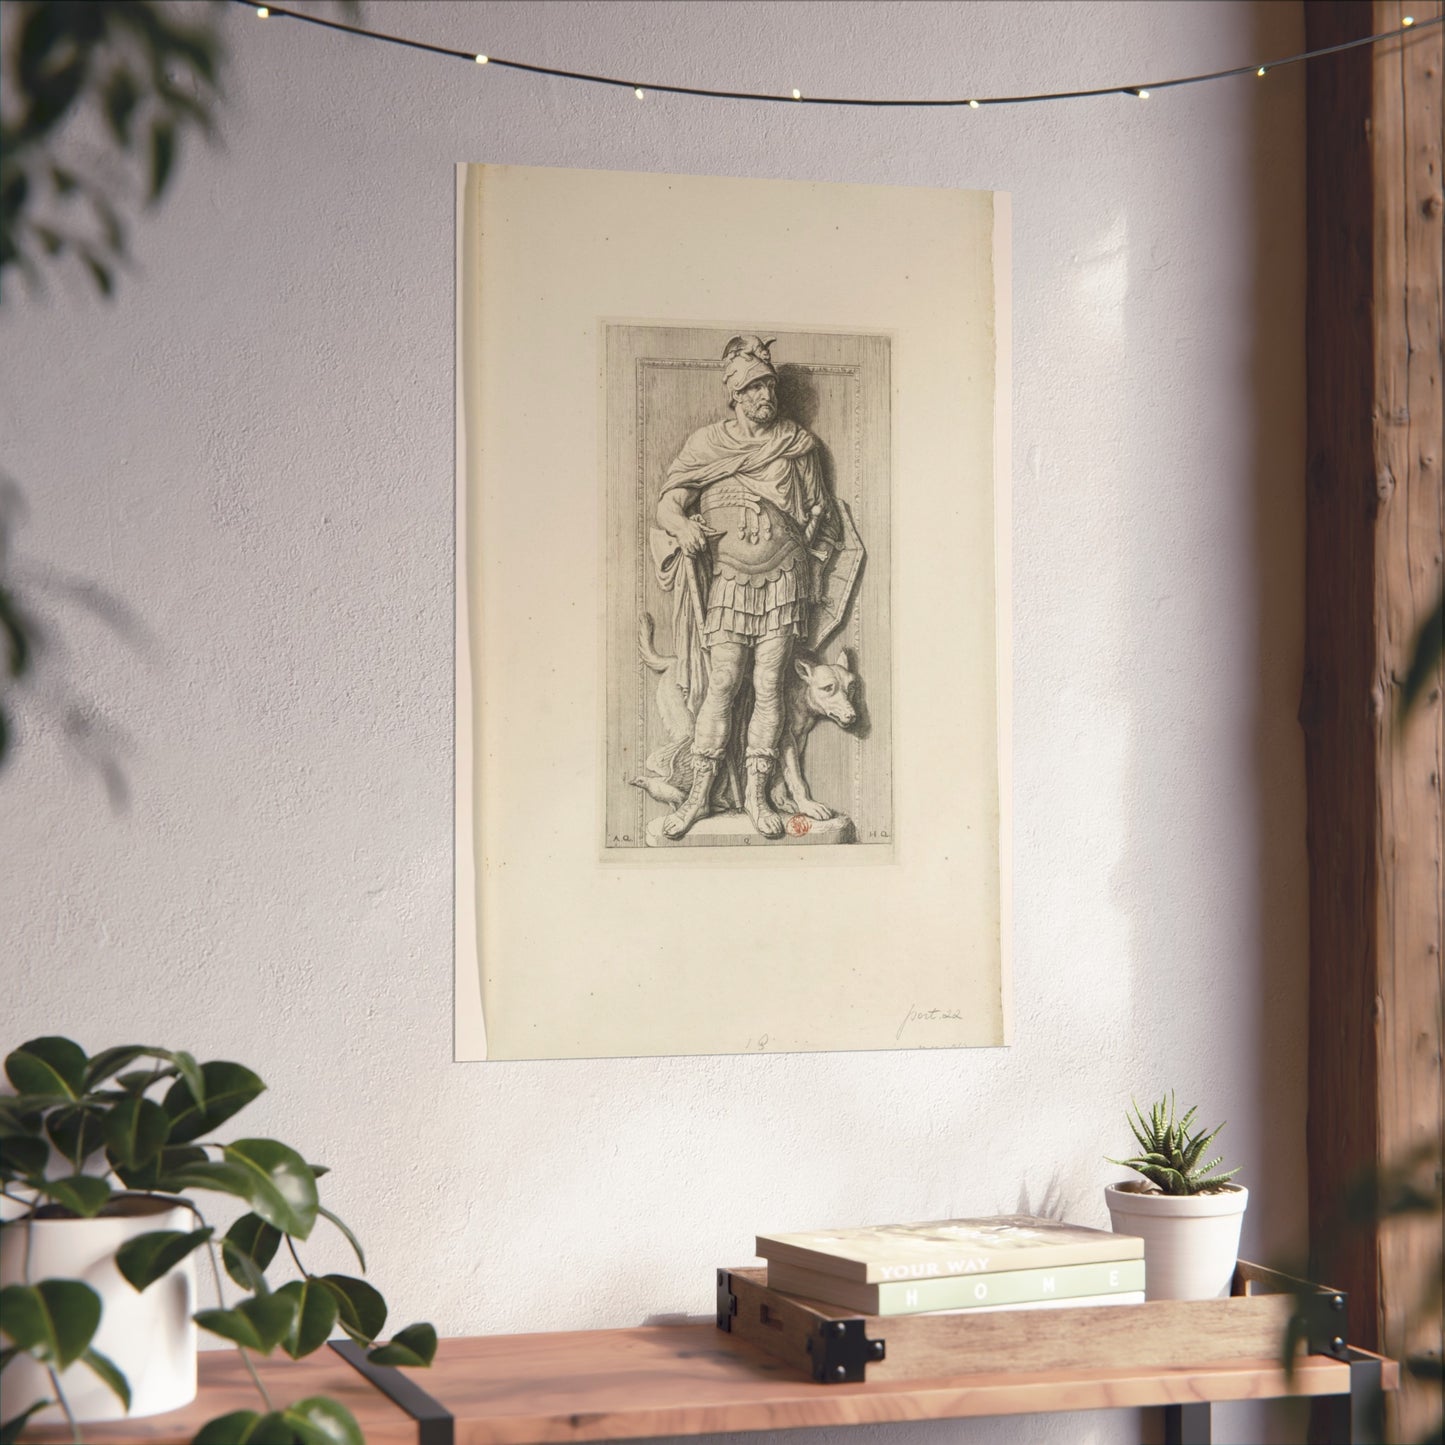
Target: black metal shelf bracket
column 841, row 1352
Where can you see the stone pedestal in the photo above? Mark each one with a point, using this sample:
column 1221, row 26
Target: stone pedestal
column 735, row 830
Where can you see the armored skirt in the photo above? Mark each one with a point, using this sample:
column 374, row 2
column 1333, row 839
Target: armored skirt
column 762, row 575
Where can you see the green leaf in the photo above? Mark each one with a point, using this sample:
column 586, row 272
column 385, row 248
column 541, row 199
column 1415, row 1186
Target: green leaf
column 106, row 1368
column 206, row 1174
column 121, row 98
column 415, row 1345
column 248, row 1248
column 136, row 1130
column 155, row 1174
column 319, row 1421
column 20, row 1117
column 149, row 1257
column 163, row 156
column 111, row 1061
column 137, row 1081
column 316, row 1311
column 282, row 1187
column 54, row 1320
column 227, row 1089
column 362, row 1310
column 245, row 1427
column 83, row 1194
column 193, row 1074
column 100, row 274
column 232, row 1429
column 76, row 1131
column 259, row 1323
column 21, row 1157
column 11, row 1430
column 351, row 1239
column 49, row 1065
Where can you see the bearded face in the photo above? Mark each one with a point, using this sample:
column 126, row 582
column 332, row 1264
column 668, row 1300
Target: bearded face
column 759, row 402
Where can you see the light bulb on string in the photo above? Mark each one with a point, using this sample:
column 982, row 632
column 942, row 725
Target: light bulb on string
column 1139, row 92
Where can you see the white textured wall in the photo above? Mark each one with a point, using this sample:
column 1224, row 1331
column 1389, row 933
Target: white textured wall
column 252, row 448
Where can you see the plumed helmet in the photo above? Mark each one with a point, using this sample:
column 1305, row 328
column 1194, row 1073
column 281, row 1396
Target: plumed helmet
column 747, row 359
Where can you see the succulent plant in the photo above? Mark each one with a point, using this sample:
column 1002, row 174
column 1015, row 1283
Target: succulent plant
column 1170, row 1152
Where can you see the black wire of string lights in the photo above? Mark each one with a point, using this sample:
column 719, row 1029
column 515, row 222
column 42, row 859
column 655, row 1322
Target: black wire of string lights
column 641, row 88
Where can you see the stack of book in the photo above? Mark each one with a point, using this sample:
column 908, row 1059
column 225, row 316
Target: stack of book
column 1013, row 1261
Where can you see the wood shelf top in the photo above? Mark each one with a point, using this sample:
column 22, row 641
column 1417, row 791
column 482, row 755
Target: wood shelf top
column 686, row 1380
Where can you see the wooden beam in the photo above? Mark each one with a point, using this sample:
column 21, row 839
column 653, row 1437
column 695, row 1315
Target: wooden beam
column 1374, row 544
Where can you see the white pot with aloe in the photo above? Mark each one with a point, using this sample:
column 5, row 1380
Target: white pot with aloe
column 1187, row 1212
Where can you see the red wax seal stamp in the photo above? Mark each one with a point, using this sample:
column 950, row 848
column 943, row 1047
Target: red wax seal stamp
column 798, row 825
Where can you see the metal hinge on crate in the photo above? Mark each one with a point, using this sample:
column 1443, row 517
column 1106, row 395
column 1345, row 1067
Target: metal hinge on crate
column 1322, row 1318
column 727, row 1301
column 841, row 1352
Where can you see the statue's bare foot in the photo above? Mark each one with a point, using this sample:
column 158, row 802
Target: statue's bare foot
column 810, row 808
column 677, row 822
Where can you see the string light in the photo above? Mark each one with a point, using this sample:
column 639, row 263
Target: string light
column 1141, row 91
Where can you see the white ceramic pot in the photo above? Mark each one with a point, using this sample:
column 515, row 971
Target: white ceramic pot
column 149, row 1336
column 1191, row 1241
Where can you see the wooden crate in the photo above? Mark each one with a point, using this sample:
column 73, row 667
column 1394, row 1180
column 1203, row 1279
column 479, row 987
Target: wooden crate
column 836, row 1345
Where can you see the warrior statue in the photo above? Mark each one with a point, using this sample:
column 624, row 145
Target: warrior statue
column 746, row 532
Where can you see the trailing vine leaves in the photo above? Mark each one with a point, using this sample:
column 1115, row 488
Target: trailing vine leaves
column 77, row 1126
column 148, row 75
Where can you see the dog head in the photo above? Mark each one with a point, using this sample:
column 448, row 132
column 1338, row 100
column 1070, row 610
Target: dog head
column 828, row 688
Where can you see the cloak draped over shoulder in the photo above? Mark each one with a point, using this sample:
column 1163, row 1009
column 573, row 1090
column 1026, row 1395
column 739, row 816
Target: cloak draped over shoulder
column 780, row 466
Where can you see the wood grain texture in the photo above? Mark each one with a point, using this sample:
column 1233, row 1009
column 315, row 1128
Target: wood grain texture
column 1156, row 1335
column 695, row 1379
column 1373, row 570
column 1409, row 541
column 225, row 1386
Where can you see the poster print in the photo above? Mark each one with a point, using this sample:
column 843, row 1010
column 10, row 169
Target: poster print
column 732, row 616
column 748, row 661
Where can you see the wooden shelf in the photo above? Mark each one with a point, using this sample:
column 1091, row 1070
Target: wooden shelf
column 689, row 1380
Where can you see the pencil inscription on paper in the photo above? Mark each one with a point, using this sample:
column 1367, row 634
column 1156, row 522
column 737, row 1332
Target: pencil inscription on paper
column 926, row 1015
column 748, row 597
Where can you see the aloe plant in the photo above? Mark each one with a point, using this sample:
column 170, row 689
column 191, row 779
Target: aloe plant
column 81, row 1131
column 1171, row 1154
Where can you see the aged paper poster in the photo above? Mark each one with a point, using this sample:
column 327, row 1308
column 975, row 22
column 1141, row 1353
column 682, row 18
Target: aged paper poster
column 731, row 615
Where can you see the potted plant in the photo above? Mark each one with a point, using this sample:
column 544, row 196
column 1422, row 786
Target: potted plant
column 1186, row 1211
column 100, row 1162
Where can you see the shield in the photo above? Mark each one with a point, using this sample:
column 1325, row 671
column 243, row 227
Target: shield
column 840, row 584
